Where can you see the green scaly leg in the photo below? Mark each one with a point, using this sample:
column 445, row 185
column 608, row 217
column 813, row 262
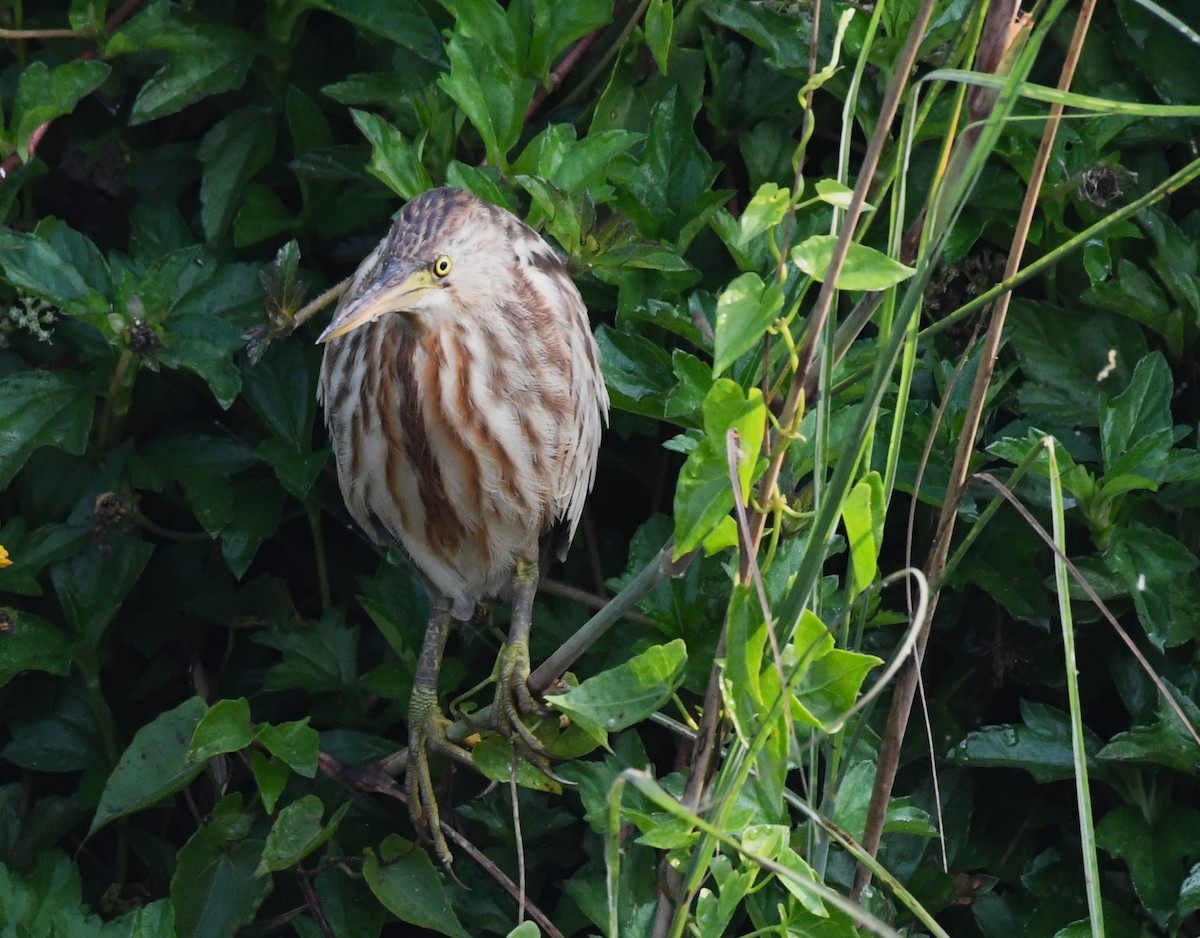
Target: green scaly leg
column 513, row 699
column 427, row 733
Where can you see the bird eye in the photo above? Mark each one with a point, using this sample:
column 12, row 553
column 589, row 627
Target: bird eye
column 442, row 266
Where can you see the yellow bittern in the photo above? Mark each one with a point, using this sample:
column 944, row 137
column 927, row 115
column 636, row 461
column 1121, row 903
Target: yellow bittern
column 463, row 395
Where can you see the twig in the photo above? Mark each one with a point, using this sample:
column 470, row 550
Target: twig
column 568, row 653
column 313, row 904
column 21, row 35
column 314, row 306
column 584, row 598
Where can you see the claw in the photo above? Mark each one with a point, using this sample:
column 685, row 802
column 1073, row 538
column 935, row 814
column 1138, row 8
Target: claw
column 427, row 734
column 514, row 701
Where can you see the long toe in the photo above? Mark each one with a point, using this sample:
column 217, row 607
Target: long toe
column 514, row 703
column 427, row 736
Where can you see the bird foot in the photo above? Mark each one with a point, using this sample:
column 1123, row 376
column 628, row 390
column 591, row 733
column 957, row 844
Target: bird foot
column 427, row 734
column 514, row 702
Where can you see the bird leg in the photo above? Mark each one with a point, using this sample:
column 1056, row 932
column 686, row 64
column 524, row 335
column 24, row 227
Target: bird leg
column 513, row 699
column 427, row 733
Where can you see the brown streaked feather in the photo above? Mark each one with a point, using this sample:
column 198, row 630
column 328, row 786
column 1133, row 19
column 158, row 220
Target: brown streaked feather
column 466, row 427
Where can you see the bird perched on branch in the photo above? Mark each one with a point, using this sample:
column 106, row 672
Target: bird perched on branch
column 462, row 391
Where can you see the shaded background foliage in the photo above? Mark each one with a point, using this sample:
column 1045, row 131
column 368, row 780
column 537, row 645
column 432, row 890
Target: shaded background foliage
column 178, row 547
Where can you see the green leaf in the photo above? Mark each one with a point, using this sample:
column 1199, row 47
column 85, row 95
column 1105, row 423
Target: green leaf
column 257, row 510
column 261, row 214
column 864, row 268
column 490, row 93
column 766, row 210
column 202, row 59
column 295, row 471
column 93, row 584
column 154, row 766
column 207, row 322
column 296, row 833
column 746, row 643
column 831, row 685
column 32, row 551
column 30, row 644
column 271, row 776
column 573, row 165
column 483, row 181
column 783, row 32
column 407, row 25
column 636, row 371
column 48, row 901
column 1062, row 353
column 60, row 266
column 556, row 25
column 395, row 160
column 295, row 743
column 1157, row 851
column 695, row 378
column 704, row 492
column 660, row 19
column 62, row 736
column 319, row 659
column 1136, row 294
column 1159, row 574
column 863, row 514
column 42, row 408
column 667, row 192
column 493, row 757
column 622, row 696
column 836, row 194
column 226, row 727
column 214, row 891
column 1189, row 896
column 409, row 887
column 46, row 93
column 1139, row 414
column 1041, row 745
column 279, row 387
column 204, row 467
column 745, row 311
column 232, row 152
column 1165, row 742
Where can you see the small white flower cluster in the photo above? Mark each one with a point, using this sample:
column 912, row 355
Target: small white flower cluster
column 31, row 314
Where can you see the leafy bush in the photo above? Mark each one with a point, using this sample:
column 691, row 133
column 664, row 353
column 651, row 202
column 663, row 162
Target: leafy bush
column 786, row 220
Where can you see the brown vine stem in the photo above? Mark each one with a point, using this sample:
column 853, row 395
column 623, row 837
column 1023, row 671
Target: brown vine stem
column 560, row 72
column 598, row 69
column 906, row 684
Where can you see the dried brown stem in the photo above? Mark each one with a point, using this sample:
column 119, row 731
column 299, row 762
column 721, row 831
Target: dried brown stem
column 1000, row 19
column 560, row 72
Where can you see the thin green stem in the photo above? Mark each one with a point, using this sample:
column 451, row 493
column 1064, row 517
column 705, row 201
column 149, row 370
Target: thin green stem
column 1087, row 830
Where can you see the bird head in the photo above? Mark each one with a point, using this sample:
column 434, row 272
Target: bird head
column 442, row 256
